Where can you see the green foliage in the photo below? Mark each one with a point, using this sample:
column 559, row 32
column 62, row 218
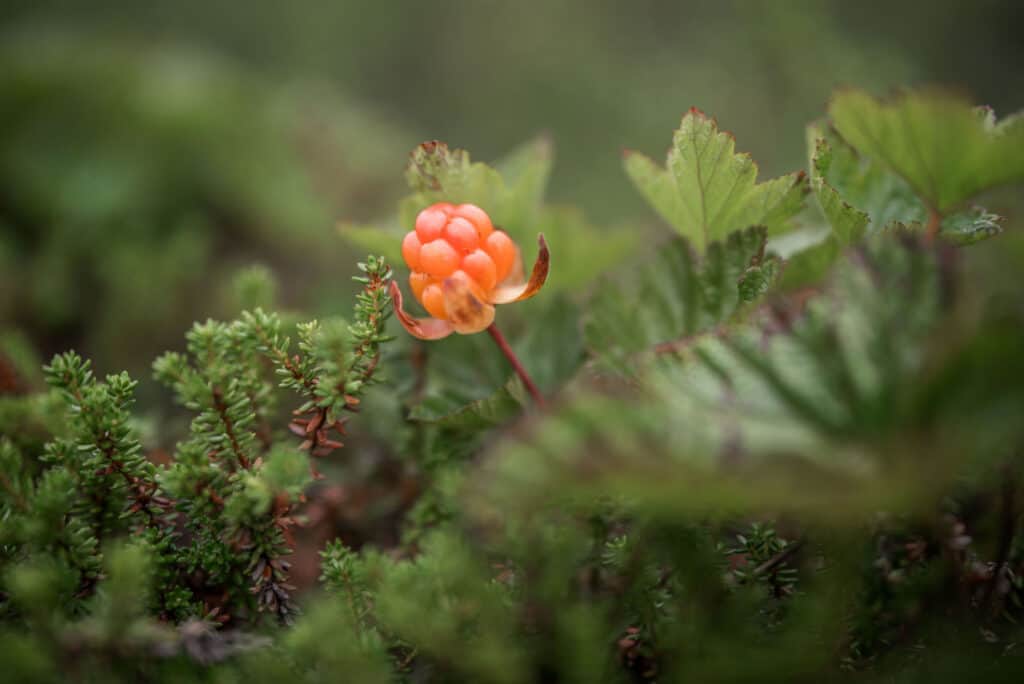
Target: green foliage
column 122, row 161
column 513, row 193
column 681, row 297
column 947, row 150
column 797, row 467
column 707, row 190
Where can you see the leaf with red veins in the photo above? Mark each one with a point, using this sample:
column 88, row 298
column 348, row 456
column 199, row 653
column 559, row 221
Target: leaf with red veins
column 422, row 328
column 524, row 290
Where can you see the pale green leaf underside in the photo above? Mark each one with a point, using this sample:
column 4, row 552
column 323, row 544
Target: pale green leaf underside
column 946, row 149
column 707, row 191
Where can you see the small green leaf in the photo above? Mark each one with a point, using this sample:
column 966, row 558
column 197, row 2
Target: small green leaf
column 947, row 150
column 707, row 190
column 968, row 227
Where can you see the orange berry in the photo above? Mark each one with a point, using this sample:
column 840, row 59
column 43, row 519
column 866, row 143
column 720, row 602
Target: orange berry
column 478, row 217
column 433, row 301
column 438, row 258
column 429, row 223
column 461, row 234
column 481, row 269
column 411, row 250
column 418, row 281
column 501, row 249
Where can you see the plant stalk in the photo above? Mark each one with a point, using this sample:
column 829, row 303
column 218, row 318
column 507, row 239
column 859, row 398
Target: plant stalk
column 503, row 345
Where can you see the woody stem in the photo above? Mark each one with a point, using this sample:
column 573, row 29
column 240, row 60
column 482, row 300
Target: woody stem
column 503, row 345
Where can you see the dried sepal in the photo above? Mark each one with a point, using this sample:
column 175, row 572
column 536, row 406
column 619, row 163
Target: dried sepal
column 524, row 290
column 422, row 328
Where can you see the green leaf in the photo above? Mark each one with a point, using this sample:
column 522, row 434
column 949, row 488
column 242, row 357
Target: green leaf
column 856, row 194
column 512, row 197
column 674, row 295
column 968, row 227
column 947, row 150
column 566, row 229
column 811, row 416
column 385, row 239
column 483, row 393
column 810, row 266
column 452, row 412
column 961, row 229
column 707, row 190
column 511, row 193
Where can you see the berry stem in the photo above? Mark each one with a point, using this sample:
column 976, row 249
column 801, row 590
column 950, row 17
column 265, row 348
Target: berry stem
column 934, row 225
column 514, row 360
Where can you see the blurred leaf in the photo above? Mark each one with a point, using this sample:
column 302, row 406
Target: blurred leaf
column 968, row 227
column 580, row 251
column 511, row 194
column 438, row 174
column 707, row 190
column 451, row 412
column 810, row 266
column 385, row 240
column 675, row 295
column 807, row 417
column 549, row 346
column 947, row 150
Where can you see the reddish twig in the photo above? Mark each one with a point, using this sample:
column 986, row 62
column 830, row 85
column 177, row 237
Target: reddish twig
column 934, row 225
column 514, row 360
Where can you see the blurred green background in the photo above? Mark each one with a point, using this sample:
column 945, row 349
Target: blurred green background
column 148, row 151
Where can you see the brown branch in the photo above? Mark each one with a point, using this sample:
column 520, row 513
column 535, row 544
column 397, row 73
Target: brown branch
column 222, row 411
column 778, row 559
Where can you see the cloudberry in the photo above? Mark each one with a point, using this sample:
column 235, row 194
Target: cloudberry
column 461, row 267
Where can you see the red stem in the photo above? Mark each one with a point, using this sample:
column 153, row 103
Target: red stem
column 520, row 371
column 934, row 225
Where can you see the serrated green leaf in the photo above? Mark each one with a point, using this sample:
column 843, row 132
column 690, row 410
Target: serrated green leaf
column 807, row 418
column 707, row 190
column 945, row 148
column 512, row 197
column 856, row 195
column 672, row 296
column 961, row 228
column 757, row 280
column 968, row 227
column 511, row 192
